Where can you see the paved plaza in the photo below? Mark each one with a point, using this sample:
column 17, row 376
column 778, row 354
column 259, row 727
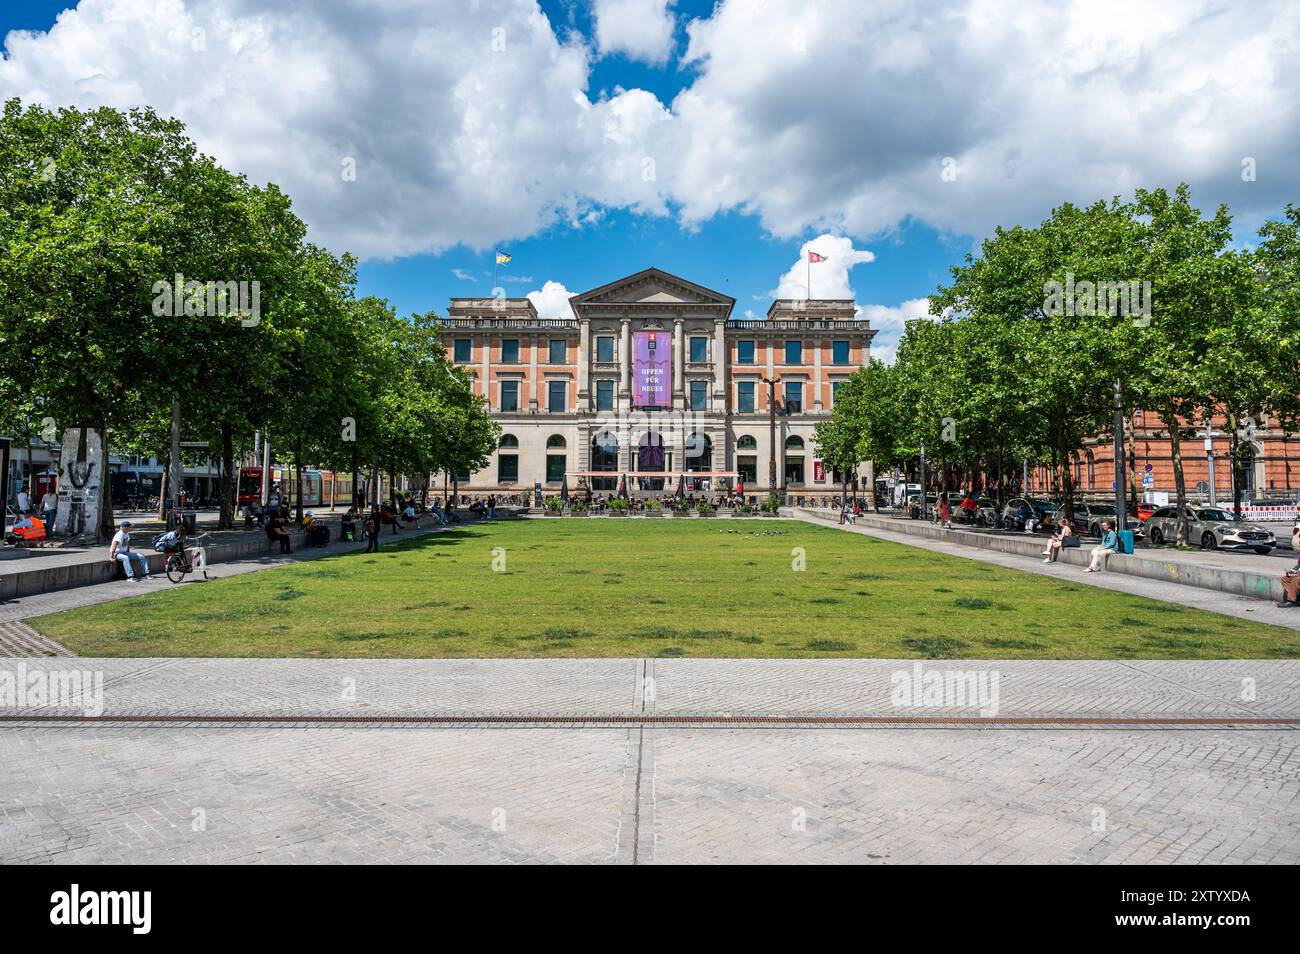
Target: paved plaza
column 584, row 775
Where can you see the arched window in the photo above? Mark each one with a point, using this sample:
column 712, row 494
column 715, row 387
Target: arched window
column 794, row 442
column 746, row 442
column 699, row 452
column 508, row 440
column 556, row 440
column 604, row 456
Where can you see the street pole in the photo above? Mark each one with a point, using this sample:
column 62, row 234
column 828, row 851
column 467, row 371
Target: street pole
column 175, row 464
column 923, row 500
column 771, row 435
column 1121, row 492
column 1209, row 456
column 266, row 470
column 1024, row 480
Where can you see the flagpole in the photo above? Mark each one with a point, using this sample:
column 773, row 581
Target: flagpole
column 810, row 278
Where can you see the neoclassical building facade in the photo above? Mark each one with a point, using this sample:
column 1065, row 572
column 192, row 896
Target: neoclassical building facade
column 652, row 379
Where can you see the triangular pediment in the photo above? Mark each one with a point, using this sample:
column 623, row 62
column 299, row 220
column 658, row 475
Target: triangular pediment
column 652, row 286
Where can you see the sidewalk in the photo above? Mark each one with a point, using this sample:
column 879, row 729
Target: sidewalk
column 26, row 607
column 1169, row 591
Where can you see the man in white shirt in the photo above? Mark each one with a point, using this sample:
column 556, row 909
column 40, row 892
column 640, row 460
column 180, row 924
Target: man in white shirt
column 49, row 507
column 24, row 501
column 120, row 550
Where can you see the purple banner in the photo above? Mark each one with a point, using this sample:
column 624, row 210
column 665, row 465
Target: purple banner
column 652, row 374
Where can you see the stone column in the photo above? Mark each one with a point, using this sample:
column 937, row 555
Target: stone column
column 719, row 365
column 679, row 364
column 584, row 363
column 625, row 360
column 534, row 387
column 817, row 375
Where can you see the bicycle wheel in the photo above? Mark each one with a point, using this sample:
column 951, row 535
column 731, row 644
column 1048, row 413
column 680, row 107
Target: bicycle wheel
column 176, row 568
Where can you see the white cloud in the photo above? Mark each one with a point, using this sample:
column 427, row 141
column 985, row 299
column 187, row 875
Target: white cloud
column 830, row 279
column 464, row 274
column 640, row 29
column 471, row 123
column 889, row 322
column 552, row 301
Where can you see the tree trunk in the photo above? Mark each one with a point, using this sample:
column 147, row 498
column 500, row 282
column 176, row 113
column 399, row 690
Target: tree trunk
column 1170, row 421
column 105, row 530
column 1067, row 478
column 1234, row 449
column 226, row 518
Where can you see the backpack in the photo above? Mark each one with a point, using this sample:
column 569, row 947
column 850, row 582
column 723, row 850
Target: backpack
column 166, row 542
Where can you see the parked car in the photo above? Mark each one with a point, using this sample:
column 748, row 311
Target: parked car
column 1089, row 516
column 1042, row 510
column 1145, row 510
column 1211, row 528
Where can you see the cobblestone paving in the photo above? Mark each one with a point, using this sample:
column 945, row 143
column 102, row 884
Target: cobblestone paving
column 189, row 793
column 19, row 639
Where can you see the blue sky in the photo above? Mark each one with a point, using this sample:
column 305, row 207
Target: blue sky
column 769, row 127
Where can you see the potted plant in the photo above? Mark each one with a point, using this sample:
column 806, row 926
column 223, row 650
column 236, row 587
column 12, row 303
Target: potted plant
column 618, row 507
column 771, row 506
column 653, row 508
column 678, row 508
column 742, row 510
column 705, row 509
column 554, row 507
column 578, row 508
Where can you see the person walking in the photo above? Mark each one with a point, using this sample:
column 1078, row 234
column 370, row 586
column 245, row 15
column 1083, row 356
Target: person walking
column 371, row 530
column 492, row 507
column 945, row 513
column 1109, row 545
column 49, row 507
column 119, row 550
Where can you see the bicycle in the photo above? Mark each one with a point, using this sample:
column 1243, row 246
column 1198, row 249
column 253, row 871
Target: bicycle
column 183, row 560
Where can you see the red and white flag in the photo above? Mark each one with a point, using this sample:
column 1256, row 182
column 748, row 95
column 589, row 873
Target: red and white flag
column 814, row 258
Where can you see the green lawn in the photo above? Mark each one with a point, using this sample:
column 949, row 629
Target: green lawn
column 720, row 587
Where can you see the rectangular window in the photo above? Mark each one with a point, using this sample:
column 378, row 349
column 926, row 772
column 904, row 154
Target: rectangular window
column 745, row 352
column 554, row 468
column 794, row 470
column 699, row 395
column 557, row 394
column 509, row 350
column 461, row 476
column 509, row 395
column 835, row 391
column 747, row 467
column 699, row 350
column 604, row 395
column 507, row 468
column 840, row 352
column 793, row 397
column 604, row 349
column 745, row 397
column 794, row 352
column 464, row 350
column 559, row 351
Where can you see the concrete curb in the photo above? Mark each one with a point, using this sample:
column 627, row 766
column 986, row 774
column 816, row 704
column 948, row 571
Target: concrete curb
column 17, row 583
column 1248, row 583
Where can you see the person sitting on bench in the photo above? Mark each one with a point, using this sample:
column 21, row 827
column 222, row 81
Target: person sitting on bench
column 275, row 530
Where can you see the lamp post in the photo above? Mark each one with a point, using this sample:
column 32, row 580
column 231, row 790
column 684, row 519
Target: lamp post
column 1209, row 456
column 771, row 434
column 1121, row 504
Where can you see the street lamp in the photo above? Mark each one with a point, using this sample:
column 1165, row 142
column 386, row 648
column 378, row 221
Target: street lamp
column 771, row 434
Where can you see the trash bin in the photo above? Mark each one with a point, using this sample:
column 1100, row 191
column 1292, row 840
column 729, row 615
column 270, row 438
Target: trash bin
column 191, row 521
column 1126, row 541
